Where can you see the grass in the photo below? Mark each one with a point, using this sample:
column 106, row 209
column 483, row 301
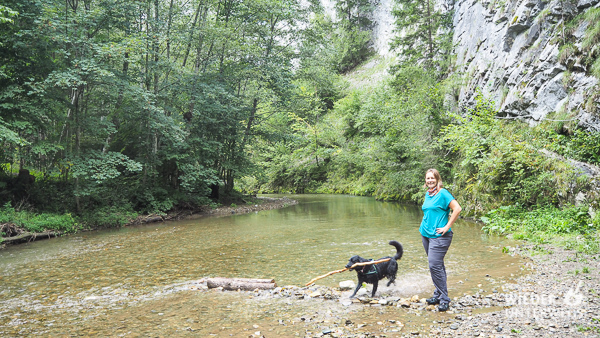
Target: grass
column 570, row 227
column 370, row 73
column 38, row 222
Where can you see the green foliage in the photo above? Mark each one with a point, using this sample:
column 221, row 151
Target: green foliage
column 496, row 166
column 35, row 222
column 570, row 226
column 425, row 35
column 351, row 48
column 6, row 13
column 373, row 142
column 582, row 145
column 99, row 167
column 110, row 216
column 144, row 105
column 352, row 37
column 588, row 53
column 591, row 40
column 550, row 220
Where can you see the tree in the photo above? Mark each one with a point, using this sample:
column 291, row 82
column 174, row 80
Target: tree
column 353, row 32
column 424, row 34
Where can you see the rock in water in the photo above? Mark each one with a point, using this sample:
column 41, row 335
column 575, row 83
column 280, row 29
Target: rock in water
column 347, row 285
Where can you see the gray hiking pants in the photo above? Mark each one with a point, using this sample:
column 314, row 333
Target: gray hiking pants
column 436, row 249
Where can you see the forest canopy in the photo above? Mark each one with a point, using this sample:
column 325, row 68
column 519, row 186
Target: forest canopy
column 118, row 107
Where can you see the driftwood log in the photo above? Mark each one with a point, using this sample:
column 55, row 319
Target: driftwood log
column 30, row 236
column 247, row 284
column 344, row 269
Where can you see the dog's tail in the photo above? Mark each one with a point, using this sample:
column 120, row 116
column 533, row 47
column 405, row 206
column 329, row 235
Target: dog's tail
column 399, row 249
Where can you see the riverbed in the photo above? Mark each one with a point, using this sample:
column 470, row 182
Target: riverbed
column 145, row 280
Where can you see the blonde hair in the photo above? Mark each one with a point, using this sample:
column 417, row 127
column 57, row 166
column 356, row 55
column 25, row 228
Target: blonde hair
column 438, row 177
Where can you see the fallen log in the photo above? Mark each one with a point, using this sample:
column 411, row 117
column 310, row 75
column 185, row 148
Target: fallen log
column 344, row 269
column 244, row 280
column 30, row 236
column 247, row 284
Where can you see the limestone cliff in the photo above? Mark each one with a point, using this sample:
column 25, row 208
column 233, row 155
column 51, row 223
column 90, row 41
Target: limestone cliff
column 510, row 51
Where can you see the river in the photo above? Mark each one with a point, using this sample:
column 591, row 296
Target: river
column 135, row 281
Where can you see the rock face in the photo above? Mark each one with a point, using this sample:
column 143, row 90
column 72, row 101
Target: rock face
column 509, row 50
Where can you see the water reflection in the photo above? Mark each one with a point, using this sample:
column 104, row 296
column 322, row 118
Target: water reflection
column 119, row 268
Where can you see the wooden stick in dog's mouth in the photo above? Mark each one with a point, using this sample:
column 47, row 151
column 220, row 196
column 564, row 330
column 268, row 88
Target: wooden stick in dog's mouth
column 344, row 269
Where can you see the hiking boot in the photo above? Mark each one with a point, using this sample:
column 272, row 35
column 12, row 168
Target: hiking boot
column 443, row 307
column 432, row 301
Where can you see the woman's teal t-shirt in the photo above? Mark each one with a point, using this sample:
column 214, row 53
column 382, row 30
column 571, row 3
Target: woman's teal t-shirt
column 436, row 210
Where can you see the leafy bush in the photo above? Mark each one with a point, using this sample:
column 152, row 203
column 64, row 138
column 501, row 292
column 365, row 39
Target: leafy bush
column 548, row 219
column 581, row 145
column 34, row 222
column 570, row 226
column 495, row 165
column 109, row 216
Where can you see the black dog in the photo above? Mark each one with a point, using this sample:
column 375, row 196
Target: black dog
column 373, row 273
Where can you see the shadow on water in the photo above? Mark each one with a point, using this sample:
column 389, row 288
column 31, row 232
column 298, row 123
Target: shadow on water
column 112, row 281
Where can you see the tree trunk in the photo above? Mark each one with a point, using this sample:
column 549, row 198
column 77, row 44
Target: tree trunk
column 189, row 44
column 429, row 33
column 233, row 284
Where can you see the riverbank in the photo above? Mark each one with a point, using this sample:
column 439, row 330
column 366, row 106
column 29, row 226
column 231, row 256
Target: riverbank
column 148, row 280
column 17, row 235
column 557, row 296
column 252, row 204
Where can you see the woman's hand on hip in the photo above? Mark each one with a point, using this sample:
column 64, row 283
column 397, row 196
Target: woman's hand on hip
column 442, row 230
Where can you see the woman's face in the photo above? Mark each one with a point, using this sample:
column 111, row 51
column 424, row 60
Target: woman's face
column 430, row 180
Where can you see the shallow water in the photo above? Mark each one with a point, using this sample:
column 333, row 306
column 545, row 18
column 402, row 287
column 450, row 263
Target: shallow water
column 118, row 281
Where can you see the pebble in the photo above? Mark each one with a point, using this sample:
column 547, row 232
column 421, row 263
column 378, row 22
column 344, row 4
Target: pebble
column 454, row 326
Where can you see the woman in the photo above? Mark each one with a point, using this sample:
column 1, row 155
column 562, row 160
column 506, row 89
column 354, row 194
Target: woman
column 436, row 233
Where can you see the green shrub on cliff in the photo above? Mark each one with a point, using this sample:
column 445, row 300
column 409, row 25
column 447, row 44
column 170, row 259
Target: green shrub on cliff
column 494, row 164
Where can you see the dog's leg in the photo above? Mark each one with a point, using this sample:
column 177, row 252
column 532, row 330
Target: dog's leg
column 357, row 288
column 392, row 280
column 375, row 283
column 392, row 271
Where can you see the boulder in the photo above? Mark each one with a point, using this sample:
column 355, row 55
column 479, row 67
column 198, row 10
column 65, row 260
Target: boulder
column 347, row 285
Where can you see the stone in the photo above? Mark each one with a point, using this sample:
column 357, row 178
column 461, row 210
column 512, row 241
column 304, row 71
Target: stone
column 533, row 34
column 315, row 294
column 583, row 4
column 454, row 326
column 347, row 285
column 362, row 292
